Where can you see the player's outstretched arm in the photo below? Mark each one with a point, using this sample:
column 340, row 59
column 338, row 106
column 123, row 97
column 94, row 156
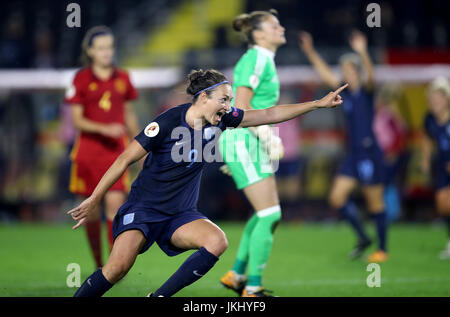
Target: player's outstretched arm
column 132, row 153
column 131, row 121
column 358, row 42
column 113, row 130
column 322, row 68
column 283, row 113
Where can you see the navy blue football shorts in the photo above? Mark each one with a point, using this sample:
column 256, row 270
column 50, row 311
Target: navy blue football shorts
column 155, row 226
column 289, row 167
column 367, row 167
column 443, row 176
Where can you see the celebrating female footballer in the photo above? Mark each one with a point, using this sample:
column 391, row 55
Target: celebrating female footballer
column 437, row 128
column 364, row 160
column 99, row 98
column 161, row 206
column 256, row 86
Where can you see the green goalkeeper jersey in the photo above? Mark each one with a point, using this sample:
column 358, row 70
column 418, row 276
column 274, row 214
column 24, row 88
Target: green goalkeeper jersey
column 245, row 155
column 256, row 70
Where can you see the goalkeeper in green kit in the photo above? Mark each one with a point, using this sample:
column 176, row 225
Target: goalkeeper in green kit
column 248, row 152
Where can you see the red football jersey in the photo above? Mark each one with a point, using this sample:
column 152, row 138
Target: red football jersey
column 102, row 101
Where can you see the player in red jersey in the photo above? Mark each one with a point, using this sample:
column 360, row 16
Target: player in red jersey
column 99, row 98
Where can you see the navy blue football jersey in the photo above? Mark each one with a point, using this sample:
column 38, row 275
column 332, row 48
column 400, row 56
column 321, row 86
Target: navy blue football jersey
column 441, row 134
column 359, row 111
column 170, row 179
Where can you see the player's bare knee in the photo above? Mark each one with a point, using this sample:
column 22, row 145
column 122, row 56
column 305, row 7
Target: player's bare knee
column 216, row 243
column 375, row 207
column 335, row 201
column 115, row 271
column 443, row 208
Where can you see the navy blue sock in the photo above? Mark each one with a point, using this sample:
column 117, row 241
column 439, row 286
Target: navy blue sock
column 94, row 286
column 195, row 266
column 350, row 213
column 381, row 225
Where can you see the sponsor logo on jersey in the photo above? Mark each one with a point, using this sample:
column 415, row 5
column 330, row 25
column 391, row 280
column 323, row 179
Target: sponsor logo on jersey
column 180, row 143
column 93, row 86
column 120, row 85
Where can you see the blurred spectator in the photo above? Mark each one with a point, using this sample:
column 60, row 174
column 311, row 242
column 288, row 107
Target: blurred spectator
column 14, row 49
column 67, row 134
column 43, row 43
column 391, row 132
column 17, row 149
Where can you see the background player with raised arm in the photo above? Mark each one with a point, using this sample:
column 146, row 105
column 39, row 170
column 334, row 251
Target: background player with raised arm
column 99, row 98
column 437, row 128
column 162, row 205
column 364, row 160
column 255, row 86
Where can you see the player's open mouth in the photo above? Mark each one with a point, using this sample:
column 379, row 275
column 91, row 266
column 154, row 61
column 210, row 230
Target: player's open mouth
column 219, row 115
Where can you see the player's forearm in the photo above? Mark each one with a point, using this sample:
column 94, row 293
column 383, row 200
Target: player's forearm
column 277, row 114
column 426, row 151
column 132, row 125
column 111, row 176
column 283, row 113
column 131, row 121
column 87, row 125
column 322, row 68
column 368, row 66
column 133, row 153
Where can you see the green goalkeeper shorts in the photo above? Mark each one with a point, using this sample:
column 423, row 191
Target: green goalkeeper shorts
column 246, row 157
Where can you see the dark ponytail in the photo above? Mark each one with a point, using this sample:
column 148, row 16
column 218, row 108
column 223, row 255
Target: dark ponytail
column 202, row 79
column 246, row 23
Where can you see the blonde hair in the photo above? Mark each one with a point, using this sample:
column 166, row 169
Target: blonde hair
column 352, row 58
column 440, row 84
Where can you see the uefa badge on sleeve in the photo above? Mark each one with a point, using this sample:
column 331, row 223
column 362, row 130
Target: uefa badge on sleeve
column 70, row 92
column 152, row 129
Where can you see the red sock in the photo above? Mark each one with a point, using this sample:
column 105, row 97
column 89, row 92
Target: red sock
column 110, row 234
column 93, row 230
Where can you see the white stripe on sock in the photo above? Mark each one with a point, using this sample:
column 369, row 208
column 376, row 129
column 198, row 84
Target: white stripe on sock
column 268, row 211
column 253, row 289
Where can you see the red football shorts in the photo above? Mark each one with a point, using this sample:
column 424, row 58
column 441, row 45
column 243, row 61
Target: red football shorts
column 85, row 175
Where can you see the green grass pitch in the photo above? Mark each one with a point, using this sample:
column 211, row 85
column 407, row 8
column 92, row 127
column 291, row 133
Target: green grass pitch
column 307, row 260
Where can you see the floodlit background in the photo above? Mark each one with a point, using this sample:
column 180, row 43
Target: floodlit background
column 159, row 41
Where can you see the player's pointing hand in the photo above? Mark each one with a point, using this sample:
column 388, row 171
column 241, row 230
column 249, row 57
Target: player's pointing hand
column 81, row 212
column 332, row 99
